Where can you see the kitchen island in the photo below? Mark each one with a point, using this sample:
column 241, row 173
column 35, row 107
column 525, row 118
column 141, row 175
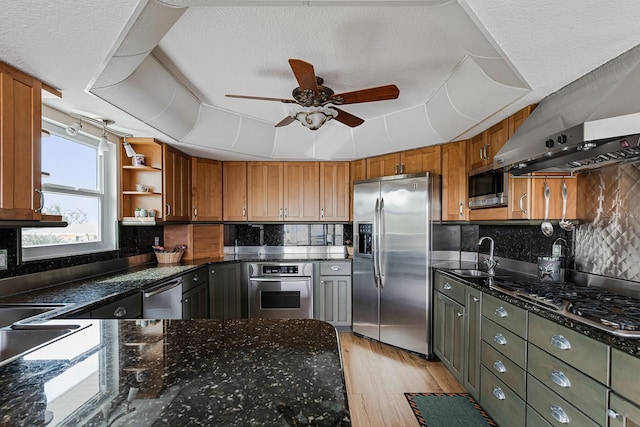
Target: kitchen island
column 180, row 372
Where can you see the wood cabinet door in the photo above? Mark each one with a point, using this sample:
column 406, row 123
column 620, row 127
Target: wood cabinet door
column 518, row 118
column 555, row 197
column 385, row 165
column 519, row 198
column 206, row 190
column 425, row 159
column 265, row 182
column 301, row 191
column 334, row 191
column 358, row 171
column 454, row 181
column 477, row 151
column 234, row 191
column 177, row 185
column 495, row 138
column 20, row 133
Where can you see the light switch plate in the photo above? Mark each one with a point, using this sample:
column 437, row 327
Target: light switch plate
column 4, row 262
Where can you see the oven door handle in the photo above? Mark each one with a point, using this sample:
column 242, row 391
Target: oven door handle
column 162, row 288
column 280, row 279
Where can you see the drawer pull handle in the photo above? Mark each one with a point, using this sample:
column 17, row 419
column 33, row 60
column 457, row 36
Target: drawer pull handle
column 560, row 342
column 196, row 278
column 501, row 312
column 447, row 287
column 559, row 415
column 120, row 312
column 498, row 393
column 500, row 339
column 499, row 366
column 335, row 267
column 560, row 378
column 459, row 314
column 612, row 414
column 476, row 299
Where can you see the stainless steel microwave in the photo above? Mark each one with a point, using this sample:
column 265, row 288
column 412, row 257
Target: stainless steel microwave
column 488, row 189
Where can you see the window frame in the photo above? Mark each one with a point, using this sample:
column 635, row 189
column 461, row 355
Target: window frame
column 106, row 193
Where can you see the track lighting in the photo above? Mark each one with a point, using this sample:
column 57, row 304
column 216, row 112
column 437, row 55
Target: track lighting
column 74, row 128
column 103, row 146
column 128, row 148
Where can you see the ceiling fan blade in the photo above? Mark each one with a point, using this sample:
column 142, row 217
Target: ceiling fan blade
column 380, row 93
column 348, row 119
column 286, row 121
column 305, row 75
column 263, row 98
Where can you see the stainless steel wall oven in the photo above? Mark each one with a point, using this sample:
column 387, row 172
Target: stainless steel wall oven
column 281, row 290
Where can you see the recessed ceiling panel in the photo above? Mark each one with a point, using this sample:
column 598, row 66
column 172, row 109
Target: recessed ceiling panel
column 294, row 142
column 372, row 139
column 445, row 118
column 255, row 138
column 411, row 129
column 214, row 128
column 335, row 142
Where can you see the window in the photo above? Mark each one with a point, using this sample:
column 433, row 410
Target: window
column 78, row 184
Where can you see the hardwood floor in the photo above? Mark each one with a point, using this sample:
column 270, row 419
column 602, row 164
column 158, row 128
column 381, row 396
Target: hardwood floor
column 378, row 375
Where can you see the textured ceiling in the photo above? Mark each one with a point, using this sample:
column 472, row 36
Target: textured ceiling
column 162, row 68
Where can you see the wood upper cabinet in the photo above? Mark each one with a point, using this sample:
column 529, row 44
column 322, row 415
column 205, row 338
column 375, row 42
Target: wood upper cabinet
column 150, row 175
column 483, row 147
column 206, row 185
column 454, row 181
column 177, row 184
column 425, row 159
column 518, row 118
column 358, row 171
column 234, row 191
column 301, row 191
column 20, row 133
column 265, row 198
column 335, row 193
column 385, row 165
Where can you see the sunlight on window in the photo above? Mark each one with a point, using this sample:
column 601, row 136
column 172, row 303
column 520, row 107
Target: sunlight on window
column 69, row 163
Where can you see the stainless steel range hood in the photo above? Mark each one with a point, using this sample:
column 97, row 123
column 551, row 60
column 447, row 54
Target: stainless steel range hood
column 590, row 123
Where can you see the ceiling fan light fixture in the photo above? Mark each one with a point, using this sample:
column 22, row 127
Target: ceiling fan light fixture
column 314, row 117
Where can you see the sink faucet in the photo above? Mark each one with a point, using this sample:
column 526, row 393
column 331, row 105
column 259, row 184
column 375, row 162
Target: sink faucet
column 491, row 262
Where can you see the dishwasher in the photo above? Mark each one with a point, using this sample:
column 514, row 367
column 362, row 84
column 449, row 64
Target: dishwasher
column 163, row 301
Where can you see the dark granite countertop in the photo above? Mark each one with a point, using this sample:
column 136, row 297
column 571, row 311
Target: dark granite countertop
column 181, row 372
column 628, row 345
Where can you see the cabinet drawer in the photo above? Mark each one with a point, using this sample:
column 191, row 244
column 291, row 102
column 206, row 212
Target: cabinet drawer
column 626, row 413
column 449, row 287
column 335, row 268
column 577, row 388
column 506, row 342
column 625, row 375
column 505, row 369
column 505, row 314
column 570, row 347
column 534, row 419
column 502, row 404
column 125, row 308
column 195, row 278
column 554, row 409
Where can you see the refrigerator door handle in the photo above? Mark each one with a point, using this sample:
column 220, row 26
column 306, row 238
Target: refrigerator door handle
column 376, row 275
column 380, row 241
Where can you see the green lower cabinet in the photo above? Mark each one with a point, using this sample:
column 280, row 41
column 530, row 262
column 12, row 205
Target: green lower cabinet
column 449, row 333
column 556, row 410
column 534, row 419
column 504, row 405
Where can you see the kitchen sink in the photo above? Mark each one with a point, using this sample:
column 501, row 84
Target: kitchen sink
column 15, row 343
column 12, row 313
column 472, row 273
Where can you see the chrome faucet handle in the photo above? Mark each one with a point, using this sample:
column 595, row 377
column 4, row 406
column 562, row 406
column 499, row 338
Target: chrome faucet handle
column 491, row 265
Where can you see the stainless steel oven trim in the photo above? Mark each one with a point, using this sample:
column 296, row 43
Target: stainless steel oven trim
column 303, row 284
column 493, row 200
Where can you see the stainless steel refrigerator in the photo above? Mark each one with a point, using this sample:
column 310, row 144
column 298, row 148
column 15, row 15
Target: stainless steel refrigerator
column 392, row 289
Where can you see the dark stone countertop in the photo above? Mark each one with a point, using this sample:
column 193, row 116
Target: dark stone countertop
column 628, row 345
column 181, row 372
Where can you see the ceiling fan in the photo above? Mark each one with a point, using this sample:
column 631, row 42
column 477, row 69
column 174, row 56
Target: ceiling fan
column 317, row 102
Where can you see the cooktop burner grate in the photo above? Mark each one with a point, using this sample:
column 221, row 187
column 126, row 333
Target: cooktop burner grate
column 616, row 314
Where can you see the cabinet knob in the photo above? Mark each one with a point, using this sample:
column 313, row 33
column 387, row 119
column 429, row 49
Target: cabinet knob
column 196, row 278
column 560, row 378
column 459, row 314
column 612, row 414
column 501, row 312
column 500, row 339
column 120, row 312
column 559, row 415
column 447, row 287
column 476, row 299
column 335, row 267
column 498, row 393
column 499, row 366
column 560, row 342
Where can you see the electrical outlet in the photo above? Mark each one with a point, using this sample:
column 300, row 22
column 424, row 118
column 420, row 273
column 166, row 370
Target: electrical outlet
column 156, row 241
column 4, row 259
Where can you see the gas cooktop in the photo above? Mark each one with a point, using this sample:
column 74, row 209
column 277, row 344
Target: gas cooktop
column 605, row 310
